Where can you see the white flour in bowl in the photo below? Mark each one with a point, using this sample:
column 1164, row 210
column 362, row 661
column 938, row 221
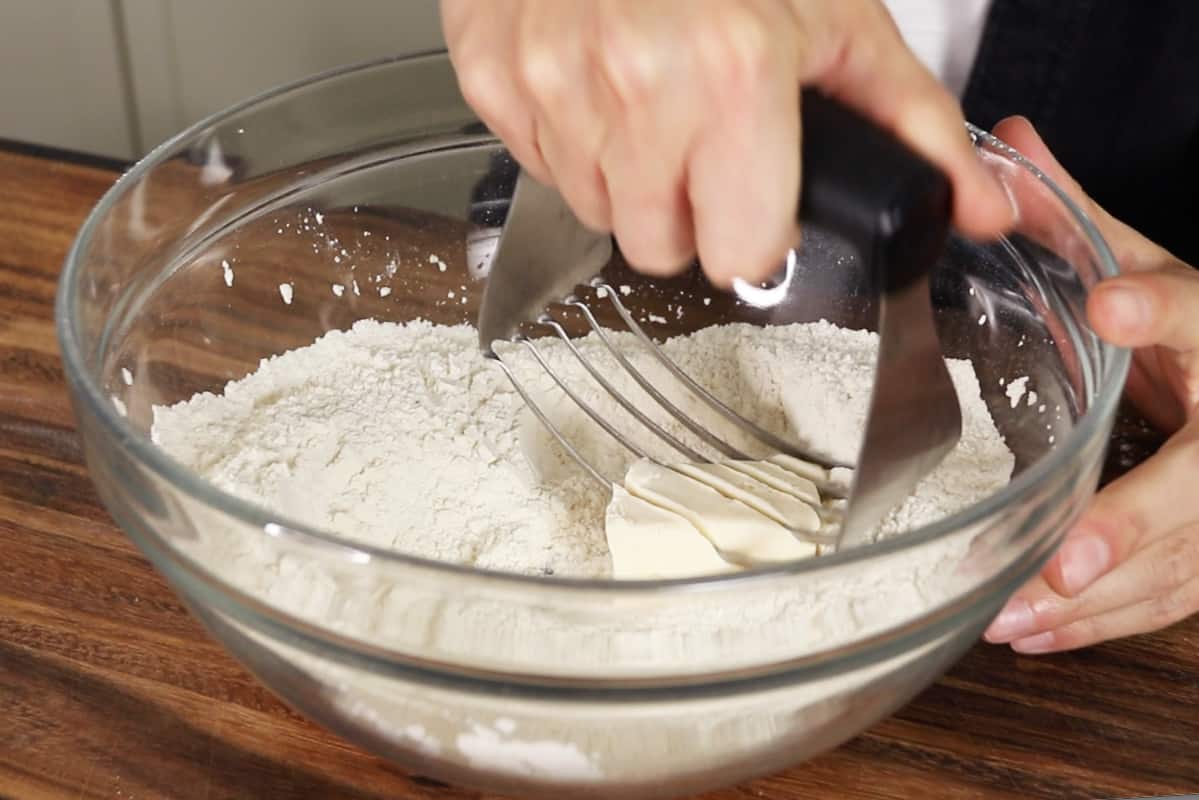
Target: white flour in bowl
column 403, row 437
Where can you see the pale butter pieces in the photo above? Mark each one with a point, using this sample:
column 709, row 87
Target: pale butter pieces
column 688, row 520
column 648, row 542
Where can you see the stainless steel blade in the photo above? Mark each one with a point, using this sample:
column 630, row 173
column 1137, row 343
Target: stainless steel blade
column 914, row 418
column 543, row 253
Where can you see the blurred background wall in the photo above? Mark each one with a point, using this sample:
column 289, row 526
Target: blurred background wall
column 114, row 78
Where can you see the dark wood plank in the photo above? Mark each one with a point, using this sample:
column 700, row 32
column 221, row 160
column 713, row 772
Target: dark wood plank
column 108, row 689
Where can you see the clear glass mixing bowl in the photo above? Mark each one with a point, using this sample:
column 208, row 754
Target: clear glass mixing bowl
column 538, row 685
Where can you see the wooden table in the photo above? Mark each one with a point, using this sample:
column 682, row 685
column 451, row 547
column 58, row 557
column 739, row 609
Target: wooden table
column 108, row 689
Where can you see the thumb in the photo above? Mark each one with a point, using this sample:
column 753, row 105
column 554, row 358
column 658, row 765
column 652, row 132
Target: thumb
column 1146, row 309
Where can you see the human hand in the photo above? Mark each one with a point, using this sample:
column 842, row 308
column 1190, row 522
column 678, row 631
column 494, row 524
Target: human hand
column 675, row 124
column 1131, row 564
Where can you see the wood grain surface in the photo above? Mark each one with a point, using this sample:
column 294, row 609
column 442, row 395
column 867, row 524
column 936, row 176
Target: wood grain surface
column 108, row 689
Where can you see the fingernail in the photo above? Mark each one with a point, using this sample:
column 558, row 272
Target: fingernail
column 1015, row 620
column 1129, row 307
column 1083, row 560
column 1031, row 645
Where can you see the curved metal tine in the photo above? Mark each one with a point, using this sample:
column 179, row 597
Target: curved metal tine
column 699, row 430
column 625, row 403
column 827, row 515
column 553, row 429
column 819, row 537
column 581, row 403
column 762, row 435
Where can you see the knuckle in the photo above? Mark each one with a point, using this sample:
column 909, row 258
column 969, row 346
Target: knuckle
column 1137, row 523
column 1172, row 606
column 1176, row 581
column 632, row 72
column 1081, row 633
column 633, row 82
column 1162, row 613
column 1075, row 635
column 736, row 50
column 1123, row 525
column 1086, row 632
column 1051, row 614
column 543, row 74
column 1179, row 563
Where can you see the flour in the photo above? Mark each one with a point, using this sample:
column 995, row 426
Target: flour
column 1016, row 390
column 402, row 437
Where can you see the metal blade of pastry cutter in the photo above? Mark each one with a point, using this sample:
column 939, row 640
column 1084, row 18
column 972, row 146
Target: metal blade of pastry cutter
column 914, row 419
column 543, row 253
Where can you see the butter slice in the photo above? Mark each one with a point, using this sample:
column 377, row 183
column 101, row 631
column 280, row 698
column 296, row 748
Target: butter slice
column 780, row 478
column 784, row 507
column 740, row 533
column 799, row 467
column 650, row 543
column 839, row 479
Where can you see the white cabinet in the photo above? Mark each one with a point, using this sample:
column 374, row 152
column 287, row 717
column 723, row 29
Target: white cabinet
column 116, row 77
column 61, row 77
column 190, row 59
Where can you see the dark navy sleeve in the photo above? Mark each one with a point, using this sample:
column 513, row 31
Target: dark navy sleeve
column 1113, row 87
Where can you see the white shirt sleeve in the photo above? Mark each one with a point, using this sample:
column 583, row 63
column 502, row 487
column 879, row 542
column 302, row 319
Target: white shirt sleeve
column 944, row 35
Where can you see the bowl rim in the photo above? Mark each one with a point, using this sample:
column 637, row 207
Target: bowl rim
column 1095, row 422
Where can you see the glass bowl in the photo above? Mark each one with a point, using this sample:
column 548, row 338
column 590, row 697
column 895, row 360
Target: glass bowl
column 509, row 682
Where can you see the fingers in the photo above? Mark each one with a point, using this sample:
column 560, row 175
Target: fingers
column 878, row 75
column 1150, row 305
column 743, row 170
column 482, row 48
column 676, row 124
column 1020, row 134
column 654, row 115
column 651, row 216
column 1148, row 308
column 1155, row 310
column 1138, row 541
column 1019, row 616
column 1149, row 502
column 1150, row 614
column 1131, row 564
column 558, row 76
column 1157, row 580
